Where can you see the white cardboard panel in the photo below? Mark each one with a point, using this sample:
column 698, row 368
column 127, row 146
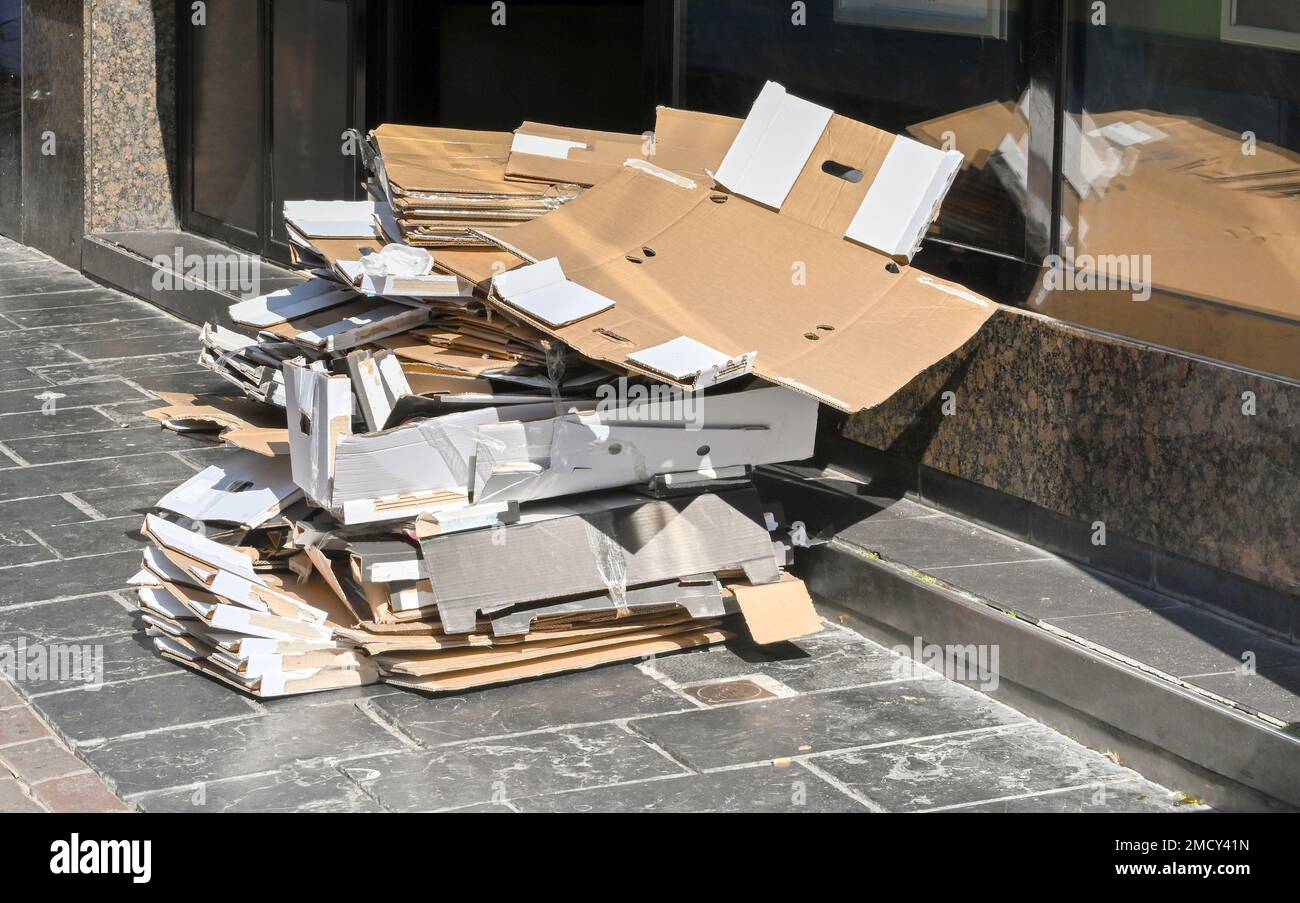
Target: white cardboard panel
column 772, row 146
column 178, row 539
column 215, row 494
column 379, row 323
column 540, row 146
column 340, row 219
column 686, row 360
column 290, row 303
column 903, row 197
column 312, row 400
column 542, row 291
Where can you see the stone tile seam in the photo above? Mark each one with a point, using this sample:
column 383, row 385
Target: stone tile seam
column 1115, row 781
column 860, row 798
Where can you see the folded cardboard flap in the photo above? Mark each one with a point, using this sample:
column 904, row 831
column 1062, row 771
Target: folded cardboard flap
column 693, row 363
column 777, row 612
column 541, row 291
column 846, row 177
column 773, row 146
column 549, row 153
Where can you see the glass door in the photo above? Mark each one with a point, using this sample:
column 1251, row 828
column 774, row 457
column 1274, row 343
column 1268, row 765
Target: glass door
column 268, row 88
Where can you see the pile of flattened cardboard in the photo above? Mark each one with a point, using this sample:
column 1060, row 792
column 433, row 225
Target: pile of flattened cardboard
column 506, row 425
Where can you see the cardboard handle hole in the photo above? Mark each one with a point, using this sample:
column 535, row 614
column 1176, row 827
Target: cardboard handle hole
column 616, row 449
column 304, row 424
column 842, row 171
column 649, row 252
column 812, row 336
column 825, row 328
column 891, row 267
column 631, row 259
column 703, row 450
column 718, row 198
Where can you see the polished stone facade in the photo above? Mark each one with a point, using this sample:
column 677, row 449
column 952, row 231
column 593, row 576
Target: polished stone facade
column 1158, row 446
column 131, row 98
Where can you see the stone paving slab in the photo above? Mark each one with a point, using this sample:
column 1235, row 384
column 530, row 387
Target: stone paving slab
column 786, row 788
column 812, row 736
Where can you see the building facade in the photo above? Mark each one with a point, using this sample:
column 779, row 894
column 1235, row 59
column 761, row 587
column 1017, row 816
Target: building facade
column 1131, row 195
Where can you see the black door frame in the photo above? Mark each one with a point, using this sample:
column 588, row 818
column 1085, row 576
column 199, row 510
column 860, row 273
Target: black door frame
column 263, row 241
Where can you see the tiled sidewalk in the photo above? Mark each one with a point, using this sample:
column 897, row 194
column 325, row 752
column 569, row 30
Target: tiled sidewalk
column 828, row 724
column 37, row 771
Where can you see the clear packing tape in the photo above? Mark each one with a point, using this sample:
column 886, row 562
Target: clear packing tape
column 608, row 554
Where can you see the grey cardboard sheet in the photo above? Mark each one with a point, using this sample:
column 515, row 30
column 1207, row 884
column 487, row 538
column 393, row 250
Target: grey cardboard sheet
column 609, row 550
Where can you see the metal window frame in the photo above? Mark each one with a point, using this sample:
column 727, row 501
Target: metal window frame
column 261, row 242
column 1233, row 33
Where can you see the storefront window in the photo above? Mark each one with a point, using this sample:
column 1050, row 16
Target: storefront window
column 950, row 73
column 1181, row 192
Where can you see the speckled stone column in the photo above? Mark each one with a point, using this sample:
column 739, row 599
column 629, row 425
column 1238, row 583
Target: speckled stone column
column 131, row 158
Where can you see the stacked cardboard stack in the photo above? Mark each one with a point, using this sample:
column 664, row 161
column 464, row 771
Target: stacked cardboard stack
column 533, row 454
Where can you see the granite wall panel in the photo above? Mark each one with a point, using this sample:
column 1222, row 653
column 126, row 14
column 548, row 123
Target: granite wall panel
column 1160, row 447
column 131, row 100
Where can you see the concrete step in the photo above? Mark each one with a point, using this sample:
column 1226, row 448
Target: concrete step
column 162, row 267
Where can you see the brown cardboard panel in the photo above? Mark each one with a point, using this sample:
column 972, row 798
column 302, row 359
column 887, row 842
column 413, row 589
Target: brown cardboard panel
column 559, row 664
column 777, row 612
column 692, row 143
column 435, row 161
column 702, row 600
column 325, row 679
column 221, row 412
column 829, row 318
column 685, row 142
column 514, row 654
column 602, row 156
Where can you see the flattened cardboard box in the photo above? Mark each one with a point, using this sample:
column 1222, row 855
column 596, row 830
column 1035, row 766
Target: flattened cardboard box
column 826, row 317
column 559, row 664
column 613, row 549
column 442, row 163
column 692, row 144
column 550, row 153
column 246, row 424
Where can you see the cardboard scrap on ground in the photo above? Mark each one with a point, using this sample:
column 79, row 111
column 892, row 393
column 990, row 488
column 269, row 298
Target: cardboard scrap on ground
column 538, row 457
